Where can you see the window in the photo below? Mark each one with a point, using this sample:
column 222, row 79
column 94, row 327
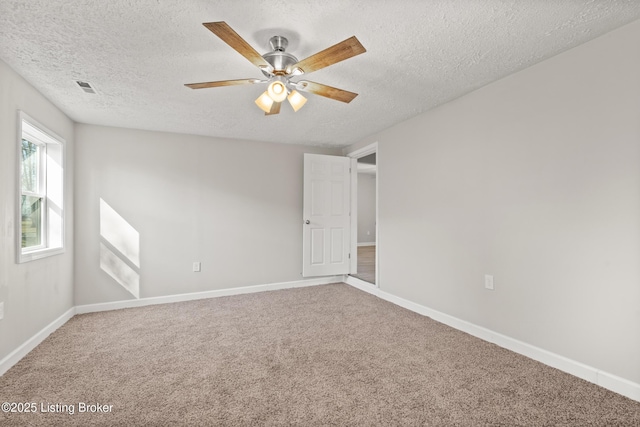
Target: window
column 41, row 178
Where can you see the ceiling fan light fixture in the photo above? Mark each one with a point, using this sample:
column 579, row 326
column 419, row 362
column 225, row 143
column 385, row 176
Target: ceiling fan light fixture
column 280, row 66
column 277, row 91
column 296, row 100
column 264, row 102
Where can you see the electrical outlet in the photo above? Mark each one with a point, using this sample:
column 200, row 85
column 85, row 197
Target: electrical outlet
column 1, row 310
column 196, row 266
column 488, row 281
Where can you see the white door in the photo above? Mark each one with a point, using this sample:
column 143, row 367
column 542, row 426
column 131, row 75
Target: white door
column 326, row 219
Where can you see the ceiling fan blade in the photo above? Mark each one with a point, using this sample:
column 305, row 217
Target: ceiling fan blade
column 230, row 37
column 338, row 52
column 326, row 91
column 275, row 109
column 222, row 83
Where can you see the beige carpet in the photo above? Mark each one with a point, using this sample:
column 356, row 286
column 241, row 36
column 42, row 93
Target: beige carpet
column 323, row 355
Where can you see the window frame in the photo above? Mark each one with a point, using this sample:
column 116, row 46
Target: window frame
column 50, row 185
column 39, row 191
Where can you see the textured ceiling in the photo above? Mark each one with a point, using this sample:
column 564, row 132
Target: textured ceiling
column 420, row 53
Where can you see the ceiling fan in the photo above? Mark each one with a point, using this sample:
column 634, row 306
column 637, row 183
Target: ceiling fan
column 280, row 67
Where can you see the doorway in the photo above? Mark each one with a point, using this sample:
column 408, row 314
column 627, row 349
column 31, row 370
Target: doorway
column 366, row 194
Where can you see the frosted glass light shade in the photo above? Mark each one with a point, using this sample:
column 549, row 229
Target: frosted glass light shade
column 277, row 91
column 265, row 102
column 296, row 100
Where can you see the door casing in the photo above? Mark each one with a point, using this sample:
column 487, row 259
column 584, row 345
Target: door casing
column 355, row 155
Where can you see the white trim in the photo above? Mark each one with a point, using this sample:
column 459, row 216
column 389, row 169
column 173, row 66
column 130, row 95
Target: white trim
column 367, row 244
column 14, row 357
column 53, row 229
column 609, row 381
column 377, row 272
column 115, row 305
column 353, row 247
column 361, row 152
column 619, row 385
column 362, row 285
column 364, row 151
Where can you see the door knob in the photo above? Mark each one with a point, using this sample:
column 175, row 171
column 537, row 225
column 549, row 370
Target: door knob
column 307, row 222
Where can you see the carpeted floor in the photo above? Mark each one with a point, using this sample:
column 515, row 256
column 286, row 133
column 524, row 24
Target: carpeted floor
column 322, row 355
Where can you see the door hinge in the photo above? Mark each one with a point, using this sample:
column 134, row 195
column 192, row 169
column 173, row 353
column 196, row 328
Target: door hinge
column 349, row 256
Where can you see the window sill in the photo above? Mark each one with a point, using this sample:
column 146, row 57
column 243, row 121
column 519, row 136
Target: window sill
column 38, row 254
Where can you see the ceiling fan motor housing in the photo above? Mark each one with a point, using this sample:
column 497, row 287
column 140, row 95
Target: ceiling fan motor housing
column 278, row 58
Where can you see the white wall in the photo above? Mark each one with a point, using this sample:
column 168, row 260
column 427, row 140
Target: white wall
column 536, row 180
column 37, row 292
column 366, row 208
column 235, row 206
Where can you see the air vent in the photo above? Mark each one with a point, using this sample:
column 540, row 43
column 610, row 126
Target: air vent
column 85, row 86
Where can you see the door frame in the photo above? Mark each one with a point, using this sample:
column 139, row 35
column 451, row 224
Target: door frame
column 356, row 154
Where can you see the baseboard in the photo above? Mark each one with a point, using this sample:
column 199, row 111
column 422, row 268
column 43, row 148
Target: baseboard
column 115, row 305
column 367, row 244
column 609, row 381
column 362, row 285
column 14, row 357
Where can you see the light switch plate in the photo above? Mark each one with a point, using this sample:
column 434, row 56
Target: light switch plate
column 488, row 281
